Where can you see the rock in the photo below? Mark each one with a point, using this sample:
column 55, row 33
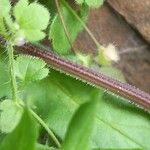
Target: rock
column 136, row 12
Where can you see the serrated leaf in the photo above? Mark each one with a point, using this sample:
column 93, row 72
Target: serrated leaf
column 10, row 115
column 28, row 69
column 91, row 3
column 80, row 127
column 37, row 35
column 119, row 125
column 28, row 15
column 24, row 135
column 57, row 34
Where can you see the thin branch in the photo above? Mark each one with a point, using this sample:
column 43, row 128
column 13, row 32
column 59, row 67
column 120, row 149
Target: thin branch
column 138, row 97
column 44, row 125
column 83, row 24
column 135, row 95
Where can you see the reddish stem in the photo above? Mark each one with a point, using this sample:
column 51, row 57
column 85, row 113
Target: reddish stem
column 125, row 90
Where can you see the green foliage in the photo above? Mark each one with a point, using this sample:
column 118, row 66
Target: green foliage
column 24, row 135
column 114, row 127
column 10, row 115
column 91, row 3
column 101, row 59
column 63, row 105
column 57, row 34
column 50, row 5
column 4, row 7
column 28, row 68
column 4, row 76
column 27, row 17
column 80, row 128
column 43, row 147
column 84, row 60
column 4, row 13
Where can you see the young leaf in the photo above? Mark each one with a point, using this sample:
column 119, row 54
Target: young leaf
column 80, row 128
column 27, row 17
column 119, row 125
column 91, row 3
column 57, row 34
column 29, row 68
column 50, row 5
column 10, row 114
column 23, row 137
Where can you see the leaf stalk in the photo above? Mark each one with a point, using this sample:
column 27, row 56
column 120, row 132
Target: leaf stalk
column 44, row 125
column 10, row 51
column 83, row 24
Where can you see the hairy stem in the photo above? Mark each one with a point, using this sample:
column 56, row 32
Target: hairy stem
column 12, row 71
column 63, row 24
column 44, row 125
column 83, row 24
column 125, row 90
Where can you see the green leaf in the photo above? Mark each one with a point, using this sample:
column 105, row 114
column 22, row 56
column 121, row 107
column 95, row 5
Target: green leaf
column 57, row 34
column 44, row 147
column 5, row 10
column 4, row 7
column 118, row 124
column 10, row 114
column 28, row 68
column 2, row 27
column 34, row 34
column 24, row 135
column 80, row 128
column 50, row 5
column 28, row 15
column 91, row 3
column 4, row 75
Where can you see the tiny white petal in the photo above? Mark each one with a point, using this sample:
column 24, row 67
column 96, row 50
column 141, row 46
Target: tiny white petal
column 110, row 53
column 20, row 39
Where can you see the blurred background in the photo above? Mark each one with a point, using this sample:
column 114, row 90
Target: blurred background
column 126, row 24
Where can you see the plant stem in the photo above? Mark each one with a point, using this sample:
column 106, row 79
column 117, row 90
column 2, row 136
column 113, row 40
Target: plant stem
column 12, row 71
column 125, row 90
column 43, row 124
column 63, row 24
column 83, row 24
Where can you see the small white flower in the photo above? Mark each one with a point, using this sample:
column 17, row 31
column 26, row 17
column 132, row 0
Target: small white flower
column 110, row 53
